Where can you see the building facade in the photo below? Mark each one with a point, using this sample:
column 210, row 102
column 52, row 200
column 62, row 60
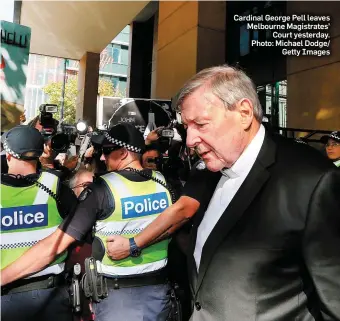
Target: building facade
column 173, row 40
column 43, row 70
column 295, row 92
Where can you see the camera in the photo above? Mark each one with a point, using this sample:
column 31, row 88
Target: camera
column 48, row 123
column 61, row 141
column 61, row 136
column 165, row 132
column 168, row 131
column 48, row 108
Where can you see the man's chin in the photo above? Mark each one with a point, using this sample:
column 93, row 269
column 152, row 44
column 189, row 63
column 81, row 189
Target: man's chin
column 213, row 166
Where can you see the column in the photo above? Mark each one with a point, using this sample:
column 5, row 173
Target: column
column 139, row 73
column 191, row 36
column 88, row 88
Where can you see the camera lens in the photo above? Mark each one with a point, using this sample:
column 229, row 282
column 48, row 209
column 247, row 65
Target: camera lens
column 60, row 143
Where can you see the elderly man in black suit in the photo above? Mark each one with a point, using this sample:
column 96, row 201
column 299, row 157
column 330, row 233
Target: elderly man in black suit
column 266, row 238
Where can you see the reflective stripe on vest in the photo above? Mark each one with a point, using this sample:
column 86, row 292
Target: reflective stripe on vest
column 29, row 214
column 137, row 204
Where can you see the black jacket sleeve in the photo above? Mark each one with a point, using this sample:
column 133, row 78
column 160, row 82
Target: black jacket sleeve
column 68, row 200
column 95, row 203
column 321, row 243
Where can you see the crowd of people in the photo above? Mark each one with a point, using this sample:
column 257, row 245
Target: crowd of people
column 251, row 233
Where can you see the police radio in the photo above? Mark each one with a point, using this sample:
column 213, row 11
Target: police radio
column 75, row 289
column 93, row 283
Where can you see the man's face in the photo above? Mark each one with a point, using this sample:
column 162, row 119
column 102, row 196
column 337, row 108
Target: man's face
column 215, row 132
column 147, row 156
column 112, row 159
column 333, row 149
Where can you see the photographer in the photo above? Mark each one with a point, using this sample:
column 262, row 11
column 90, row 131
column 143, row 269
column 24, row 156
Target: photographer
column 55, row 144
column 151, row 157
column 33, row 203
column 170, row 164
column 175, row 171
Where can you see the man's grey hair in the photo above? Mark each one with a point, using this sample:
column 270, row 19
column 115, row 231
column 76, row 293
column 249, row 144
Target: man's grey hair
column 229, row 84
column 74, row 178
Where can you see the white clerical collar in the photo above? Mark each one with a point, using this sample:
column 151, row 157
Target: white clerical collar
column 228, row 172
column 337, row 163
column 247, row 158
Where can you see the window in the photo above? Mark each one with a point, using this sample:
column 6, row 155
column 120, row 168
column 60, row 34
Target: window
column 116, row 53
column 42, row 70
column 273, row 99
column 244, row 40
column 255, row 33
column 7, row 10
column 246, row 36
column 115, row 82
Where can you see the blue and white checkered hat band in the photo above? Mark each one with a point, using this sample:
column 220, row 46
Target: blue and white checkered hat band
column 122, row 144
column 9, row 151
column 335, row 135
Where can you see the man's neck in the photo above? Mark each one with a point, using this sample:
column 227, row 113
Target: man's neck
column 22, row 171
column 134, row 164
column 252, row 132
column 250, row 135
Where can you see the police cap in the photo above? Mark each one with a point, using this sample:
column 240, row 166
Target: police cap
column 333, row 135
column 123, row 135
column 23, row 142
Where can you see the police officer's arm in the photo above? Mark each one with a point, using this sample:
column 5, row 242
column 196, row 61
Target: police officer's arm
column 37, row 257
column 75, row 227
column 169, row 221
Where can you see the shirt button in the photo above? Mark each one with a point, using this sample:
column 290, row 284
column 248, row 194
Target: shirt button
column 198, row 306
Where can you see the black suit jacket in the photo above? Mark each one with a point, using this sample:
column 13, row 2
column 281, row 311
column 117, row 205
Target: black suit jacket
column 274, row 255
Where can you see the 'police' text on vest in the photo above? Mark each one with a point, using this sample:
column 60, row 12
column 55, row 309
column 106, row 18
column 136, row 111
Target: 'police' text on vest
column 24, row 217
column 144, row 205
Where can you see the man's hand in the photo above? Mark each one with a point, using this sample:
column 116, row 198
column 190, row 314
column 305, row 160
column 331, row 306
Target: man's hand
column 89, row 152
column 170, row 220
column 46, row 159
column 71, row 162
column 22, row 118
column 118, row 247
column 152, row 136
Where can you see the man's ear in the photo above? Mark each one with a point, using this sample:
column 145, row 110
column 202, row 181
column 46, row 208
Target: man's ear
column 124, row 153
column 8, row 157
column 246, row 110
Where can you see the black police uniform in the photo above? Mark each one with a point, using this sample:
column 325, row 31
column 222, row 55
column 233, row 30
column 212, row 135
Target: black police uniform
column 335, row 136
column 44, row 297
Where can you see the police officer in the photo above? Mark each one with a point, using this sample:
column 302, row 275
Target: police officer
column 124, row 201
column 33, row 205
column 332, row 143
